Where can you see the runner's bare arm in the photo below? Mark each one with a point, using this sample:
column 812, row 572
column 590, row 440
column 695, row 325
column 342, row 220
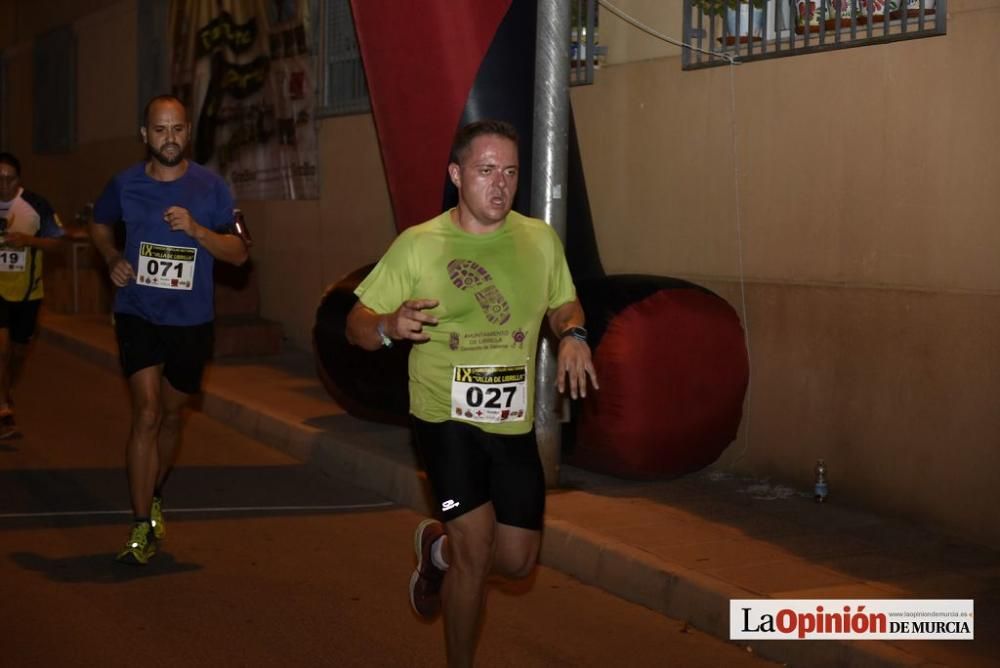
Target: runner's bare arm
column 366, row 328
column 568, row 315
column 103, row 237
column 574, row 359
column 226, row 247
column 20, row 240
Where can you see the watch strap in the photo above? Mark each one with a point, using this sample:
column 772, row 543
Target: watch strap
column 578, row 333
column 380, row 328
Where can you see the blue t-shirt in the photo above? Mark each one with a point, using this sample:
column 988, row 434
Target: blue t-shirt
column 174, row 284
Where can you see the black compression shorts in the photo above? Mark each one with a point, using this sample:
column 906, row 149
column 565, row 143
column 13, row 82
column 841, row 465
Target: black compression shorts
column 468, row 467
column 21, row 318
column 183, row 351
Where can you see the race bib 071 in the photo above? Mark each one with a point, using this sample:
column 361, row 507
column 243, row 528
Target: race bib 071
column 490, row 393
column 169, row 267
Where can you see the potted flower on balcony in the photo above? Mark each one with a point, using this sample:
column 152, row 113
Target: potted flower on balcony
column 737, row 15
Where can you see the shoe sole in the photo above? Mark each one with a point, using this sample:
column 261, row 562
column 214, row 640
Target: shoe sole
column 418, row 548
column 413, row 585
column 132, row 559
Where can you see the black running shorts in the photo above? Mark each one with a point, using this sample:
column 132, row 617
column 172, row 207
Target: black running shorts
column 21, row 318
column 183, row 351
column 468, row 467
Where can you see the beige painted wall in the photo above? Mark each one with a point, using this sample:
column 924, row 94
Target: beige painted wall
column 860, row 196
column 849, row 163
column 860, row 193
column 303, row 247
column 106, row 94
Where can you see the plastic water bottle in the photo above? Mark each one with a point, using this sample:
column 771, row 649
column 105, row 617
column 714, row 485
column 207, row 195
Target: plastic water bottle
column 820, row 490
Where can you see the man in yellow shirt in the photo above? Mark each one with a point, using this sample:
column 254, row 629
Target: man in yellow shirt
column 471, row 288
column 28, row 226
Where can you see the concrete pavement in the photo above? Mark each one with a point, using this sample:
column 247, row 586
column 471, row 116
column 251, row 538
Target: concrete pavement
column 683, row 547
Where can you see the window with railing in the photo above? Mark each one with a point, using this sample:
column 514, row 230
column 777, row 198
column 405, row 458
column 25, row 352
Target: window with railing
column 54, row 80
column 585, row 53
column 723, row 31
column 342, row 86
column 4, row 112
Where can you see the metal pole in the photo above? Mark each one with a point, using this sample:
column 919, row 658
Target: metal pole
column 548, row 188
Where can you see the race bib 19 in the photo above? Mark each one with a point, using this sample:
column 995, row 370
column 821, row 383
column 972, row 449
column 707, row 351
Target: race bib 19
column 170, row 267
column 12, row 260
column 490, row 393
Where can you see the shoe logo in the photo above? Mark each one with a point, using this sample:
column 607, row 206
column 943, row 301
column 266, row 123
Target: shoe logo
column 471, row 276
column 449, row 504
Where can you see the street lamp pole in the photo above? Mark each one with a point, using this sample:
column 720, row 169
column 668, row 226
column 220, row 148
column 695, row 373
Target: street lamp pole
column 548, row 197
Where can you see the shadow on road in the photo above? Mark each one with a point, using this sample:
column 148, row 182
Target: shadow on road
column 99, row 568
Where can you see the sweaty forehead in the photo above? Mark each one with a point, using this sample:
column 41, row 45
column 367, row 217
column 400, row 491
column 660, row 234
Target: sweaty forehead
column 494, row 150
column 166, row 113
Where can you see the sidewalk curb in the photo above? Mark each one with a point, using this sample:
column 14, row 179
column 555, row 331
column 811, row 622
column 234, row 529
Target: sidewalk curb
column 622, row 570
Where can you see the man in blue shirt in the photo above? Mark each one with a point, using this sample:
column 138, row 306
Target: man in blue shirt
column 178, row 219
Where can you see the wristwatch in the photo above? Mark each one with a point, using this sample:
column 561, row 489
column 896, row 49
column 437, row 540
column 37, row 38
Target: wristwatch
column 578, row 333
column 380, row 328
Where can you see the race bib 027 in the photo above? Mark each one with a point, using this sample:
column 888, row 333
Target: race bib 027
column 169, row 267
column 490, row 393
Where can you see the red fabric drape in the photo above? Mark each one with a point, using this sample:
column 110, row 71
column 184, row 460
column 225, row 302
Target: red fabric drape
column 421, row 59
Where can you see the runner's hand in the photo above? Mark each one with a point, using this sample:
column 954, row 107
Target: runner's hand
column 179, row 219
column 407, row 322
column 16, row 240
column 575, row 364
column 121, row 272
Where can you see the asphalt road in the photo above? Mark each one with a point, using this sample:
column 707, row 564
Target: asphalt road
column 267, row 561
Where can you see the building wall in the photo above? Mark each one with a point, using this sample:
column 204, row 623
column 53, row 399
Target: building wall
column 843, row 202
column 301, row 248
column 107, row 137
column 851, row 197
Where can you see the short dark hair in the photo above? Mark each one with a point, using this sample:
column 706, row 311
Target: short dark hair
column 154, row 100
column 463, row 138
column 11, row 159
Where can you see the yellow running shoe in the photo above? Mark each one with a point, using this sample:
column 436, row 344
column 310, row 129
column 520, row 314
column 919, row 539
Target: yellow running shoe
column 156, row 518
column 140, row 546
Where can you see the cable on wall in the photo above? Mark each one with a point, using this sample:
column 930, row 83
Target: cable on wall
column 732, row 60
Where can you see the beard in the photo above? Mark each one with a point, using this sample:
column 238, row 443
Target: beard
column 164, row 160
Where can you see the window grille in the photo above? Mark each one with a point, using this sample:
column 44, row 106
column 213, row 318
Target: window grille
column 55, row 91
column 343, row 89
column 584, row 52
column 748, row 30
column 4, row 111
column 152, row 64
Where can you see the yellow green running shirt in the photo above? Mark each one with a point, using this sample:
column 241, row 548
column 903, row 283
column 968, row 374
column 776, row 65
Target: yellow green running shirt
column 493, row 290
